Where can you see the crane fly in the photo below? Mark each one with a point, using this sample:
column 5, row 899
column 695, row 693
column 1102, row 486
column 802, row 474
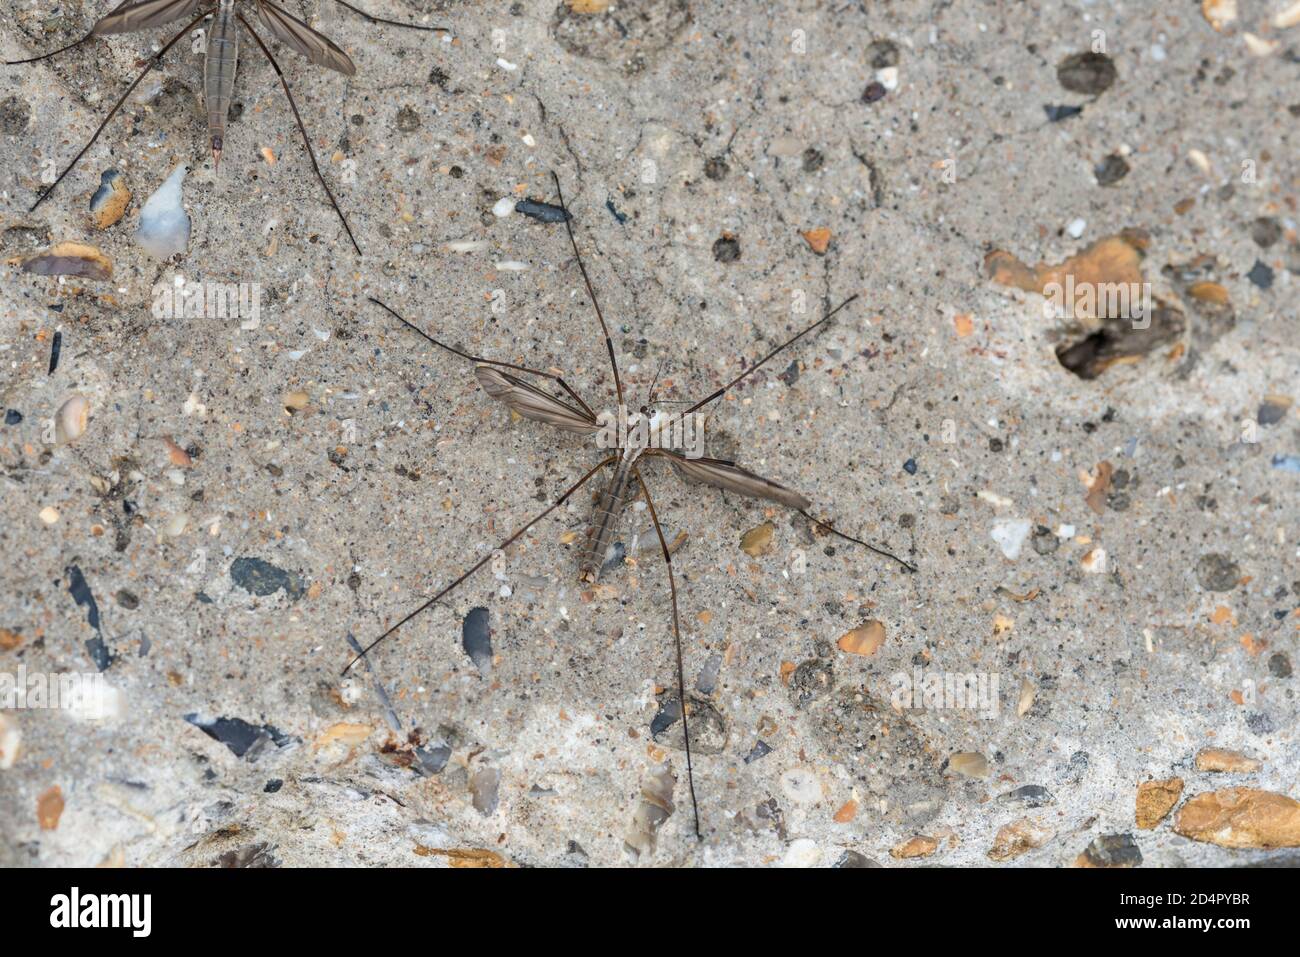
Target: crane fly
column 220, row 60
column 502, row 381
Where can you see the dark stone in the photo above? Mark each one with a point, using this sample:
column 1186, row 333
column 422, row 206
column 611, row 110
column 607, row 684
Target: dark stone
column 273, row 785
column 854, row 859
column 761, row 749
column 13, row 417
column 707, row 726
column 874, row 92
column 1031, row 795
column 1261, row 274
column 1260, row 723
column 14, row 116
column 910, row 466
column 716, row 168
column 1088, row 73
column 1111, row 170
column 243, row 739
column 476, row 639
column 1057, row 113
column 726, row 248
column 812, row 160
column 127, row 599
column 261, row 578
column 1265, row 231
column 542, row 212
column 1279, row 665
column 1216, row 572
column 1270, row 413
column 1113, row 850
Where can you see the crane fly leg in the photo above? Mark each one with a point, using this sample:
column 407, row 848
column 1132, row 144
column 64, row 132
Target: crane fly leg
column 677, row 642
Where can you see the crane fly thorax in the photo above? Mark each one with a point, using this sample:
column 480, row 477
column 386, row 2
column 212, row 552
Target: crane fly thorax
column 635, row 433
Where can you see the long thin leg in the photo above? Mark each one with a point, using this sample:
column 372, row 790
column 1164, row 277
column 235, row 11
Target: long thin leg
column 153, row 62
column 591, row 293
column 789, row 342
column 491, row 362
column 392, row 23
column 306, row 140
column 483, row 561
column 857, row 541
column 677, row 641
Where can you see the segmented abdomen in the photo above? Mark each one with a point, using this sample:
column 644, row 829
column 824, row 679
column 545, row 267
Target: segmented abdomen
column 604, row 520
column 219, row 69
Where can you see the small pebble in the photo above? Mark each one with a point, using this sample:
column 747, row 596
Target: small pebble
column 476, row 639
column 542, row 212
column 1111, row 170
column 1218, row 573
column 164, row 227
column 1010, row 535
column 1261, row 274
column 109, row 202
column 1089, row 73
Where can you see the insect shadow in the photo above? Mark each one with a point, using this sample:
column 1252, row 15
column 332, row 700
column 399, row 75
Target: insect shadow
column 574, row 415
column 220, row 59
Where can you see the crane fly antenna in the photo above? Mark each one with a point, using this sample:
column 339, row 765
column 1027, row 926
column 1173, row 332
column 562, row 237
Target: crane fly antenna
column 306, row 140
column 677, row 643
column 591, row 293
column 483, row 561
column 392, row 23
column 153, row 62
column 789, row 342
column 857, row 541
column 492, row 362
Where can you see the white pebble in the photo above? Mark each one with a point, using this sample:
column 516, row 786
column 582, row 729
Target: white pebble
column 164, row 228
column 802, row 853
column 10, row 739
column 504, row 207
column 801, row 786
column 1010, row 535
column 49, row 515
column 1076, row 227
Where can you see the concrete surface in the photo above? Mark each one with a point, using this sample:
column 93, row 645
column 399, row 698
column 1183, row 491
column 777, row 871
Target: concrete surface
column 928, row 413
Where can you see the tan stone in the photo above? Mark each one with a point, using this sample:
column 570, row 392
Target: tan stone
column 1241, row 817
column 918, row 846
column 1017, row 838
column 1221, row 759
column 1155, row 799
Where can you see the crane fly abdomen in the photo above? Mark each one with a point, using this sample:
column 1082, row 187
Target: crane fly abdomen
column 219, row 63
column 604, row 520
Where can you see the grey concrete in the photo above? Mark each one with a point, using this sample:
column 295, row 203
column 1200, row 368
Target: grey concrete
column 399, row 471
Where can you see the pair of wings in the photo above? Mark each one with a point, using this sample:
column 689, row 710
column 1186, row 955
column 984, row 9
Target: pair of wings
column 532, row 403
column 287, row 28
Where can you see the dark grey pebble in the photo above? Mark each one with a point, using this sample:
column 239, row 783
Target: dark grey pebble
column 273, row 785
column 1279, row 665
column 82, row 595
column 1215, row 572
column 761, row 749
column 910, row 466
column 1089, row 73
column 1114, row 850
column 261, row 578
column 242, row 738
column 1031, row 795
column 791, row 374
column 476, row 639
column 1057, row 113
column 13, row 417
column 56, row 349
column 716, row 168
column 542, row 212
column 613, row 211
column 854, row 859
column 726, row 249
column 1111, row 170
column 1265, row 231
column 874, row 92
column 1261, row 274
column 812, row 160
column 127, row 599
column 1270, row 413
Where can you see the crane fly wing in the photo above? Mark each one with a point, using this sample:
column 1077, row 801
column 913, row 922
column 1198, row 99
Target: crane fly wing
column 726, row 475
column 147, row 13
column 300, row 38
column 533, row 403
